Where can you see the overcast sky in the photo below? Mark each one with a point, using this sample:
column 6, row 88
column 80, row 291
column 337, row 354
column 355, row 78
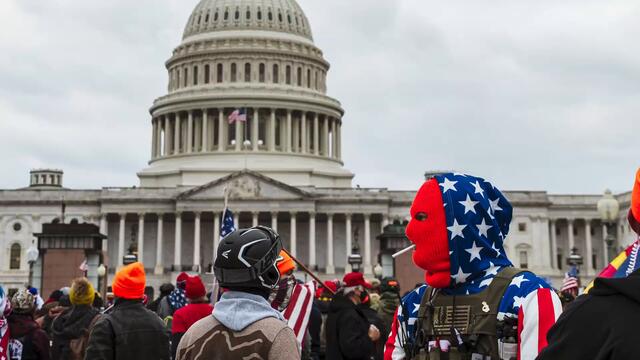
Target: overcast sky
column 534, row 95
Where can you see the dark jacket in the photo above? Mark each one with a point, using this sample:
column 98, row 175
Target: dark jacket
column 374, row 319
column 34, row 340
column 128, row 332
column 601, row 325
column 315, row 325
column 71, row 324
column 347, row 331
column 389, row 302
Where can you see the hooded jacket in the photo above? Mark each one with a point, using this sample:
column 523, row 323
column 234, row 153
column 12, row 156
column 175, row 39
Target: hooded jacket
column 71, row 324
column 242, row 325
column 459, row 226
column 600, row 325
column 347, row 331
column 35, row 342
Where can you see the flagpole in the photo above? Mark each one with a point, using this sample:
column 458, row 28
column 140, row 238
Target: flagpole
column 305, row 269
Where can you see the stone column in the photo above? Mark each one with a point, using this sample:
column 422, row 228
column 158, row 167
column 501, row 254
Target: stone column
column 196, row 243
column 239, row 135
column 348, row 236
column 589, row 245
column 176, row 134
column 368, row 269
column 331, row 269
column 177, row 253
column 154, row 137
column 141, row 237
column 274, row 221
column 303, row 131
column 325, row 137
column 293, row 235
column 312, row 240
column 190, row 132
column 272, row 131
column 255, row 129
column 339, row 140
column 222, row 131
column 197, row 132
column 167, row 136
column 554, row 244
column 289, row 137
column 205, row 130
column 159, row 269
column 332, row 129
column 123, row 217
column 254, row 218
column 104, row 230
column 316, row 135
column 572, row 242
column 216, row 234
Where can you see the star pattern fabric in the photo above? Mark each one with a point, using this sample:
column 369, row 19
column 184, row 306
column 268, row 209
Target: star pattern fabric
column 227, row 226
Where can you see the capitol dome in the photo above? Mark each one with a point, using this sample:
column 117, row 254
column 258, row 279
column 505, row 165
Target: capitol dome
column 284, row 16
column 256, row 58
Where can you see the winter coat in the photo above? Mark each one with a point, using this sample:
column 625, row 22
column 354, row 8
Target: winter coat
column 128, row 332
column 71, row 324
column 600, row 325
column 374, row 319
column 243, row 326
column 347, row 331
column 315, row 325
column 183, row 319
column 35, row 342
column 389, row 302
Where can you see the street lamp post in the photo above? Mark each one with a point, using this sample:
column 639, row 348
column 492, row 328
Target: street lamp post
column 609, row 209
column 102, row 274
column 32, row 258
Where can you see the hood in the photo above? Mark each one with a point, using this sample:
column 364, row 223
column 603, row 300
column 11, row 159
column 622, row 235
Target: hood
column 72, row 323
column 237, row 310
column 477, row 217
column 21, row 324
column 628, row 287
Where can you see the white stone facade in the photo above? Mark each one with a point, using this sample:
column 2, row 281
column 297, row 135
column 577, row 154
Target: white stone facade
column 284, row 170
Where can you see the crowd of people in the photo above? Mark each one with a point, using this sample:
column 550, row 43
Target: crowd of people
column 474, row 305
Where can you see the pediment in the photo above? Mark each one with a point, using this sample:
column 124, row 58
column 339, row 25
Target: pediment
column 245, row 185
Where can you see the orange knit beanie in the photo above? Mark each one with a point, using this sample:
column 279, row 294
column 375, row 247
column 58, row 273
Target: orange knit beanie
column 634, row 213
column 285, row 263
column 129, row 282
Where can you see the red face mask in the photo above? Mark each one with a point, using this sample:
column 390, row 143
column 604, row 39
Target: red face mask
column 428, row 231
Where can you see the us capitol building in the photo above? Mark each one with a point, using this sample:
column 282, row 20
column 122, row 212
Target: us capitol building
column 282, row 168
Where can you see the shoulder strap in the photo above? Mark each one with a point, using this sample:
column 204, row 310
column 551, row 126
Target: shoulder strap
column 500, row 283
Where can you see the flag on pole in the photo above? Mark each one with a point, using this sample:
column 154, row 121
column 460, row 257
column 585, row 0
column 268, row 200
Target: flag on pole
column 227, row 226
column 570, row 283
column 622, row 266
column 238, row 115
column 84, row 266
column 298, row 311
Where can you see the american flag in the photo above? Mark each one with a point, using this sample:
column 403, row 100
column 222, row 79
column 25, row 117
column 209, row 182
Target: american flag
column 298, row 311
column 238, row 115
column 228, row 226
column 570, row 283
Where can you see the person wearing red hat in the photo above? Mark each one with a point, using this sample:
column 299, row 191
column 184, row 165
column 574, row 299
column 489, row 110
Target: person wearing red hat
column 128, row 331
column 198, row 308
column 348, row 331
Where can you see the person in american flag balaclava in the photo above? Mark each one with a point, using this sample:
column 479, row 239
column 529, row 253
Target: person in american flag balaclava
column 459, row 224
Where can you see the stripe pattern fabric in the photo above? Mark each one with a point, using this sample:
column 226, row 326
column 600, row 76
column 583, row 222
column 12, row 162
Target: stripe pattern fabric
column 298, row 311
column 539, row 311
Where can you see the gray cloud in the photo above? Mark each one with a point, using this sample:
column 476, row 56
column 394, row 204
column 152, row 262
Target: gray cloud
column 531, row 94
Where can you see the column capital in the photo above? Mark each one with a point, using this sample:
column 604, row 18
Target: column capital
column 197, row 213
column 367, row 216
column 312, row 214
column 274, row 213
column 293, row 213
column 571, row 220
column 348, row 216
column 122, row 215
column 255, row 213
column 330, row 215
column 178, row 214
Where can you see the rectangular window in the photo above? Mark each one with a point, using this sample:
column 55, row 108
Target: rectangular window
column 186, row 77
column 247, row 72
column 522, row 227
column 299, row 76
column 559, row 260
column 261, row 75
column 207, row 73
column 195, row 75
column 524, row 260
column 288, row 75
column 234, row 72
column 276, row 74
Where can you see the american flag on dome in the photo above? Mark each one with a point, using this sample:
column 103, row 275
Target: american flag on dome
column 238, row 115
column 228, row 225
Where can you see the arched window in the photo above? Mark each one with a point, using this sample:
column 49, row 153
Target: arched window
column 309, row 78
column 186, row 77
column 289, row 18
column 259, row 14
column 237, row 15
column 276, row 73
column 270, row 15
column 247, row 72
column 248, row 13
column 195, row 75
column 288, row 75
column 279, row 16
column 207, row 74
column 206, row 19
column 234, row 72
column 15, row 254
column 316, row 80
column 216, row 16
column 299, row 76
column 199, row 19
column 219, row 73
column 226, row 14
column 261, row 75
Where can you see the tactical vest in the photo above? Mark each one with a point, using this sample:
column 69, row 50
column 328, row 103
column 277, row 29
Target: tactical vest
column 473, row 316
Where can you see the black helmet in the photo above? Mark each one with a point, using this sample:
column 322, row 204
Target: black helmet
column 247, row 258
